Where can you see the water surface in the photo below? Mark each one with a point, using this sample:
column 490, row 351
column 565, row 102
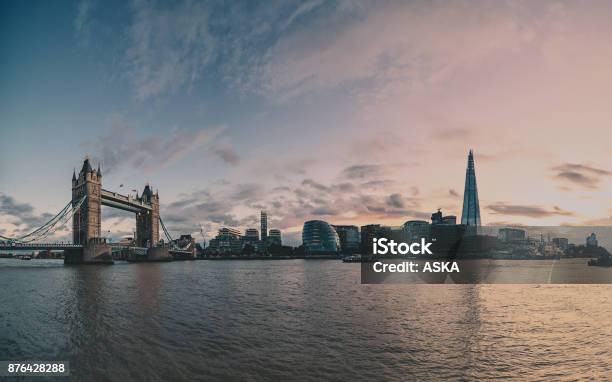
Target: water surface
column 295, row 320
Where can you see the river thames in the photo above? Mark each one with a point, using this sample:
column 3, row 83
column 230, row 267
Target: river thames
column 295, row 320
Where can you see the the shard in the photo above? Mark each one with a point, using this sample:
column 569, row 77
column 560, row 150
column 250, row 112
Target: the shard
column 471, row 209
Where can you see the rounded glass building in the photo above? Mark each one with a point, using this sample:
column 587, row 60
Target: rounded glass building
column 320, row 237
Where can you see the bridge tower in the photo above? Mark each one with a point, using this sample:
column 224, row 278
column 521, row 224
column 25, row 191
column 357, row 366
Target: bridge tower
column 147, row 222
column 86, row 222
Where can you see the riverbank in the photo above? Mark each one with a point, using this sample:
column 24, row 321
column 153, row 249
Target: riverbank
column 311, row 257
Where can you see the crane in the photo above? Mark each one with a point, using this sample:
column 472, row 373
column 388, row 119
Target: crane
column 203, row 236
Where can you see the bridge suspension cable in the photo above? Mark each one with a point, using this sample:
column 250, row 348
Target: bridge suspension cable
column 169, row 238
column 51, row 226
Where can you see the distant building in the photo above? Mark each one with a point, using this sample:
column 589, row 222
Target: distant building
column 450, row 219
column 561, row 242
column 264, row 226
column 591, row 240
column 438, row 218
column 368, row 233
column 228, row 233
column 511, row 234
column 251, row 234
column 127, row 241
column 371, row 231
column 251, row 237
column 445, row 233
column 414, row 230
column 184, row 241
column 274, row 237
column 319, row 237
column 394, row 233
column 470, row 215
column 228, row 240
column 350, row 240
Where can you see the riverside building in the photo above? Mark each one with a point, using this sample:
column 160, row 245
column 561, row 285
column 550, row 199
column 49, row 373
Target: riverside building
column 318, row 237
column 264, row 226
column 274, row 237
column 349, row 238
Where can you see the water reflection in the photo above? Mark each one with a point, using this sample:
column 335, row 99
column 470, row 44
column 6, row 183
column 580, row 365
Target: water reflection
column 307, row 320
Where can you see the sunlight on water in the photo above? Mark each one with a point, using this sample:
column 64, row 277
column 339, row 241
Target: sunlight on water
column 307, row 320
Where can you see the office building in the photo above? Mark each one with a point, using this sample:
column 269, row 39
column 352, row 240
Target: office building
column 251, row 234
column 264, row 226
column 349, row 236
column 561, row 242
column 274, row 237
column 371, row 231
column 251, row 238
column 511, row 234
column 470, row 215
column 414, row 230
column 449, row 219
column 228, row 240
column 445, row 235
column 319, row 237
column 591, row 240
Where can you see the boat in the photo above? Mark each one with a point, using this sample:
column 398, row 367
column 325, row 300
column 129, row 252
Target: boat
column 601, row 261
column 26, row 257
column 357, row 259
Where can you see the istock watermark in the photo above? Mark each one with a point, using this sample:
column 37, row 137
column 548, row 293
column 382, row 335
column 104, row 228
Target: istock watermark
column 384, row 246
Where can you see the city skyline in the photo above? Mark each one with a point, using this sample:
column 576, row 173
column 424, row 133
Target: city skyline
column 244, row 107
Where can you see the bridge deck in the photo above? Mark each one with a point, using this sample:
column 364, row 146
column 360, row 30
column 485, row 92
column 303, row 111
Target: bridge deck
column 126, row 203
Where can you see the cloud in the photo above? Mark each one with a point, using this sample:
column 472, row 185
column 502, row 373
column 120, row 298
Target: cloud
column 421, row 44
column 22, row 215
column 247, row 193
column 578, row 178
column 579, row 174
column 169, row 47
column 315, row 185
column 528, row 211
column 324, row 211
column 227, row 154
column 216, row 208
column 302, row 9
column 238, row 205
column 601, row 222
column 9, row 206
column 82, row 21
column 381, row 145
column 300, row 166
column 123, row 147
column 362, row 171
column 582, row 167
column 377, row 183
column 395, row 201
column 287, row 49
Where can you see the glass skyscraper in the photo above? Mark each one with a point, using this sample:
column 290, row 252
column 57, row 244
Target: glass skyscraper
column 264, row 226
column 471, row 209
column 319, row 236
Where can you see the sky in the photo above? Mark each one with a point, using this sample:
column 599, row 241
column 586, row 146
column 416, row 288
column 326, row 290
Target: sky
column 352, row 112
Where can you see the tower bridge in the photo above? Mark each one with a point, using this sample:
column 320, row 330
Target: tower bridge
column 85, row 209
column 86, row 223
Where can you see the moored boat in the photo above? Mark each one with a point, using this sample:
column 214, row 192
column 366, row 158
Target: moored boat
column 601, row 261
